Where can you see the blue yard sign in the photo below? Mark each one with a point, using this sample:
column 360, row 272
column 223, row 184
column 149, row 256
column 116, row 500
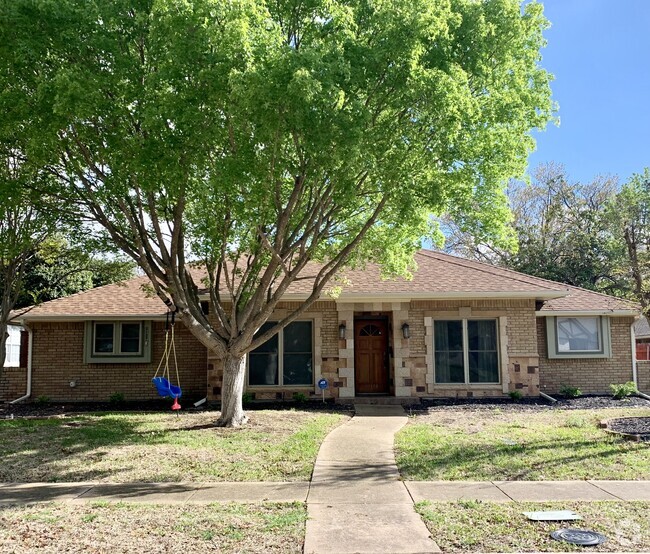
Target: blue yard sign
column 322, row 384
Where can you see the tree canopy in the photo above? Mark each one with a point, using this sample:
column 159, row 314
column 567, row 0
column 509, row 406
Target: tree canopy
column 254, row 137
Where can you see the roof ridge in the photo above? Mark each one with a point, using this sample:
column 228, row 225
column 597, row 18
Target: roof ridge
column 488, row 268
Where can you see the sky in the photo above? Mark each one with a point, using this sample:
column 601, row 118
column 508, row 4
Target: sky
column 599, row 53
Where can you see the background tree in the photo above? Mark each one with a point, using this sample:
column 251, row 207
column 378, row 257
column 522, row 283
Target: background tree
column 60, row 267
column 562, row 231
column 26, row 220
column 255, row 137
column 629, row 216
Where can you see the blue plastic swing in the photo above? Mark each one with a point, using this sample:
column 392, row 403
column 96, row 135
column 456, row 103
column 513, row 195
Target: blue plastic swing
column 165, row 388
column 162, row 384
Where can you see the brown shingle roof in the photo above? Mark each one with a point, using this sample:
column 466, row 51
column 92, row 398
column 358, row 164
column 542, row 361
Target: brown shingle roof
column 438, row 275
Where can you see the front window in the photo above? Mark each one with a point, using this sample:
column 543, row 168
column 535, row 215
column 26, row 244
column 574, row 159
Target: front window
column 117, row 339
column 466, row 351
column 285, row 359
column 578, row 334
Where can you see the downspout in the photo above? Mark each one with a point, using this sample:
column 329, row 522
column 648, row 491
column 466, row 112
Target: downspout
column 635, row 376
column 30, row 345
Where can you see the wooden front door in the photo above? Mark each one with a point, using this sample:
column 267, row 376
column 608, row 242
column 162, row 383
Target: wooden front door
column 371, row 356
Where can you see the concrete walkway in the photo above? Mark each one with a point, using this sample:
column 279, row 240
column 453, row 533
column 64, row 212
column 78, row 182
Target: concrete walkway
column 356, row 502
column 434, row 491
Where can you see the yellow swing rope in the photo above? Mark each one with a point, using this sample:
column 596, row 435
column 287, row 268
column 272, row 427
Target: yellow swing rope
column 173, row 347
column 165, row 358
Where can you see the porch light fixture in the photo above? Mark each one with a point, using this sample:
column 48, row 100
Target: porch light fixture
column 406, row 331
column 342, row 331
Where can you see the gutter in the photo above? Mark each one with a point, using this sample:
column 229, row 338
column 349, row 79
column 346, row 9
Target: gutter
column 30, row 348
column 635, row 376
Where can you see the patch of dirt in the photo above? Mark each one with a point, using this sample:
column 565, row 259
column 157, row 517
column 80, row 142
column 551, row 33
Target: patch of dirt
column 639, row 426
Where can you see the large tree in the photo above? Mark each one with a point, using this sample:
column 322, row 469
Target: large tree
column 256, row 136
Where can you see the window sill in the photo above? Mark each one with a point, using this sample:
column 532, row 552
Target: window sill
column 473, row 385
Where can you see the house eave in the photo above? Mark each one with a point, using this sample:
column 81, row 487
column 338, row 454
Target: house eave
column 583, row 313
column 86, row 317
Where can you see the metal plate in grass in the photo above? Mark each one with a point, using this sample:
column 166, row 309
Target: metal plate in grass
column 553, row 515
column 579, row 537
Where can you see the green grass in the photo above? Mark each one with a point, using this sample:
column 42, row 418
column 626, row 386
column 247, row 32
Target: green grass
column 519, row 445
column 129, row 447
column 136, row 528
column 471, row 526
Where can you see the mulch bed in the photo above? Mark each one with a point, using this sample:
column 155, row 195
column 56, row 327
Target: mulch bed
column 586, row 402
column 636, row 426
column 43, row 410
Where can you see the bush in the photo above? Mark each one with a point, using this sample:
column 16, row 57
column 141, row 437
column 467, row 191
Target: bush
column 623, row 390
column 570, row 392
column 300, row 397
column 116, row 398
column 42, row 399
column 515, row 395
column 247, row 397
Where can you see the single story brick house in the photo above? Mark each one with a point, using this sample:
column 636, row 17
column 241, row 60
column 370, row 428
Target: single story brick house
column 459, row 328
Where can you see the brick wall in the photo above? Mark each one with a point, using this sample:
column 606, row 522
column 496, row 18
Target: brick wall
column 591, row 375
column 13, row 383
column 643, row 372
column 58, row 360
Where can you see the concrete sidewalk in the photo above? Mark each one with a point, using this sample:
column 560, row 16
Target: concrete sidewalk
column 356, row 502
column 153, row 493
column 253, row 492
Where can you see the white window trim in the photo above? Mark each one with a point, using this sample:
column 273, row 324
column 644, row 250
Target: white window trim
column 467, row 382
column 604, row 338
column 13, row 341
column 280, row 384
column 117, row 356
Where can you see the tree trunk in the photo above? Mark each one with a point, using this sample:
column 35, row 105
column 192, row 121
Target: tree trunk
column 232, row 411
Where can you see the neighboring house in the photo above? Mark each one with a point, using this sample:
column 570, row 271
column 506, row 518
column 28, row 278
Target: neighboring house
column 12, row 356
column 459, row 328
column 642, row 338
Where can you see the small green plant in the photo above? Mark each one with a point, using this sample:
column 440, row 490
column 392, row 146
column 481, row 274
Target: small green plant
column 515, row 395
column 623, row 390
column 42, row 399
column 300, row 397
column 570, row 391
column 247, row 397
column 116, row 398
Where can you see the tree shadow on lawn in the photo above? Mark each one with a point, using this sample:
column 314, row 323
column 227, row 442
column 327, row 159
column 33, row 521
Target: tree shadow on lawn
column 39, row 447
column 539, row 460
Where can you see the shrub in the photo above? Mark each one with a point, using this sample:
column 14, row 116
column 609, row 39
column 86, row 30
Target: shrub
column 116, row 398
column 623, row 390
column 570, row 392
column 515, row 395
column 43, row 399
column 300, row 397
column 247, row 397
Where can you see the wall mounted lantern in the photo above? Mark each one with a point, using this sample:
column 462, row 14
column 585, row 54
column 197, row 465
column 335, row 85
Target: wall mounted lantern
column 406, row 331
column 342, row 331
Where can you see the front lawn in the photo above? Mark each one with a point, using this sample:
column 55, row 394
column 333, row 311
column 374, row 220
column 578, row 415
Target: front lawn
column 471, row 526
column 137, row 528
column 504, row 444
column 155, row 447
